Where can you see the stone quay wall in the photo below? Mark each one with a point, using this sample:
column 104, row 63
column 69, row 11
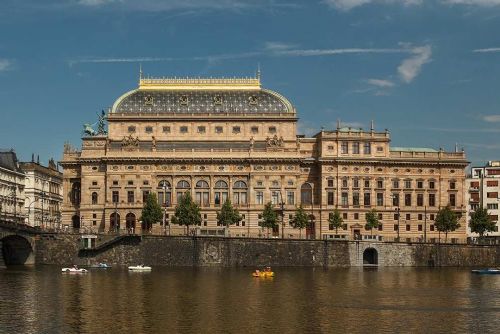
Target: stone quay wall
column 64, row 249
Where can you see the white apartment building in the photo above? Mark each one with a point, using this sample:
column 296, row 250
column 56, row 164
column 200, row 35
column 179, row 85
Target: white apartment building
column 483, row 191
column 12, row 183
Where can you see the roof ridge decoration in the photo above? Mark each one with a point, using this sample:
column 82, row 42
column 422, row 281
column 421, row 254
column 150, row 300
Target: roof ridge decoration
column 199, row 83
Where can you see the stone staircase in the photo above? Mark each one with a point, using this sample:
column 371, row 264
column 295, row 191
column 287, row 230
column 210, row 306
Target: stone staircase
column 109, row 243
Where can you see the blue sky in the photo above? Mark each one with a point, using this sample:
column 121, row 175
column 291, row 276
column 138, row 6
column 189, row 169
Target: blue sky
column 427, row 70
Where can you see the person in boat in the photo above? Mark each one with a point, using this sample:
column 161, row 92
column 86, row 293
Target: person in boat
column 257, row 272
column 75, row 266
column 268, row 269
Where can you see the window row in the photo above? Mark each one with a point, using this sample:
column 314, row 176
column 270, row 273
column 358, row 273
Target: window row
column 366, row 199
column 201, row 129
column 396, row 184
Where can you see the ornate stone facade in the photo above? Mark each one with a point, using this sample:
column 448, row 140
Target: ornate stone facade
column 229, row 138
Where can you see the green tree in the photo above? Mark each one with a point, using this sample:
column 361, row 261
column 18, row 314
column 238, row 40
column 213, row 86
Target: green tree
column 269, row 217
column 446, row 221
column 481, row 222
column 371, row 220
column 335, row 220
column 300, row 219
column 151, row 212
column 228, row 214
column 187, row 212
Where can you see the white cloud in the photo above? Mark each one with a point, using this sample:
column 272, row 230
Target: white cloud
column 380, row 83
column 346, row 5
column 278, row 46
column 491, row 118
column 487, row 50
column 95, row 3
column 412, row 66
column 5, row 65
column 331, row 52
column 485, row 3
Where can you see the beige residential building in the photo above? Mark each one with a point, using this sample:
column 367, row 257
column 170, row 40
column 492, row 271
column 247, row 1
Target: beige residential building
column 43, row 192
column 11, row 188
column 231, row 138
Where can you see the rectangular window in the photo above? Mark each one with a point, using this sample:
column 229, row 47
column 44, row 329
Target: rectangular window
column 355, row 183
column 130, row 196
column 420, row 184
column 344, row 215
column 492, row 195
column 145, row 195
column 492, row 206
column 380, row 184
column 356, row 216
column 355, row 148
column 380, row 199
column 420, row 199
column 236, row 129
column 395, row 199
column 255, row 129
column 420, row 227
column 408, row 184
column 218, row 129
column 115, row 183
column 367, row 148
column 432, row 199
column 290, row 197
column 130, row 182
column 131, row 129
column 491, row 183
column 345, row 199
column 395, row 184
column 115, row 196
column 355, row 199
column 344, row 183
column 452, row 200
column 396, row 216
column 408, row 216
column 344, row 147
column 330, row 198
column 420, row 216
column 452, row 185
column 149, row 129
column 367, row 183
column 408, row 199
column 366, row 199
column 330, row 183
column 408, row 228
column 275, row 197
column 431, row 227
column 183, row 129
column 201, row 129
column 272, row 129
column 431, row 184
column 395, row 227
column 166, row 129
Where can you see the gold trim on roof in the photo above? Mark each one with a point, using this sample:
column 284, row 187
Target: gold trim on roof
column 200, row 83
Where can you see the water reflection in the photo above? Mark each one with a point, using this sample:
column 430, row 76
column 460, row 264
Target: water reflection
column 312, row 300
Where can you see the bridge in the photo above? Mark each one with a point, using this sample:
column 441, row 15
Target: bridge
column 17, row 243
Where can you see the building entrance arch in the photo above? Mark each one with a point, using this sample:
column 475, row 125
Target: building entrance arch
column 130, row 221
column 114, row 221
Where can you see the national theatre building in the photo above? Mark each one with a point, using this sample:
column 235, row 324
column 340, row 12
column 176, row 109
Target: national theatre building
column 231, row 138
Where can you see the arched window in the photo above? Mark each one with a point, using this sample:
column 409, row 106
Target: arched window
column 130, row 221
column 164, row 193
column 240, row 193
column 306, row 194
column 220, row 192
column 114, row 220
column 202, row 184
column 182, row 188
column 95, row 198
column 76, row 193
column 183, row 184
column 202, row 194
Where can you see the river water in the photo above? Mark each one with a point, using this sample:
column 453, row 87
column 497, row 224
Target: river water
column 298, row 300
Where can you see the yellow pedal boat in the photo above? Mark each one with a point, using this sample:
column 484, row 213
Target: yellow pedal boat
column 264, row 273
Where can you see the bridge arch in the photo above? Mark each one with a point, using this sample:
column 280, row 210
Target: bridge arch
column 370, row 256
column 16, row 250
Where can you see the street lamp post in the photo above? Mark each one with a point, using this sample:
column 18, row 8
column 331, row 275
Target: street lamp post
column 14, row 195
column 165, row 187
column 397, row 210
column 282, row 204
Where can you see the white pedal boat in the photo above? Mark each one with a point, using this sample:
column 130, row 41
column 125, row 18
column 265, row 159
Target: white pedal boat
column 74, row 270
column 140, row 267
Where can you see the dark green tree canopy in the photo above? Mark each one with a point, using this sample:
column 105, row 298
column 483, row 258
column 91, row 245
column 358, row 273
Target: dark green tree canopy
column 481, row 222
column 446, row 221
column 151, row 212
column 228, row 215
column 269, row 216
column 300, row 219
column 371, row 219
column 335, row 219
column 187, row 212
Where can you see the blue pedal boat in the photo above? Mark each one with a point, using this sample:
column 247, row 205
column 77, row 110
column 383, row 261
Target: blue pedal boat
column 489, row 271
